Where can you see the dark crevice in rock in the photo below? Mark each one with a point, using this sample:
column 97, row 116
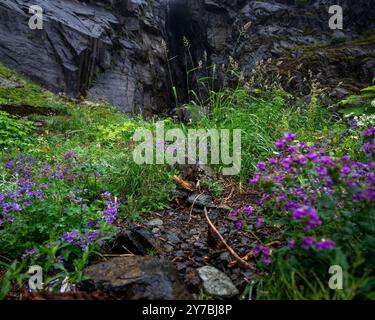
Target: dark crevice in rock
column 187, row 42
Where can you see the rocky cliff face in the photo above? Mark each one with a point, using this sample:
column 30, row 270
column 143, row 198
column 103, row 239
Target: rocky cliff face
column 131, row 52
column 107, row 49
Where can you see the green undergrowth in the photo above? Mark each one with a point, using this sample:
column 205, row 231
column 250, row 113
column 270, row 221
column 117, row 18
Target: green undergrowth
column 103, row 137
column 99, row 139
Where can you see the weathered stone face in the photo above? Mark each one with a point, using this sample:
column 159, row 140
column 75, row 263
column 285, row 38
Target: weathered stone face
column 108, row 49
column 113, row 49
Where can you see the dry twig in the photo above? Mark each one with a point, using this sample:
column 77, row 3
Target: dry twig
column 239, row 260
column 245, row 258
column 183, row 183
column 192, row 206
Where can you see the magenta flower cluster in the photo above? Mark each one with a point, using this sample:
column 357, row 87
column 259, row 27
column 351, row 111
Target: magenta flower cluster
column 300, row 177
column 298, row 162
column 241, row 217
column 263, row 252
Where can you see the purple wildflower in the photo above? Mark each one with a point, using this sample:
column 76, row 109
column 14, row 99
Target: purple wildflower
column 325, row 244
column 307, row 242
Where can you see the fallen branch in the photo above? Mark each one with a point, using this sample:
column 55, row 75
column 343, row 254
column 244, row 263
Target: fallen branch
column 239, row 260
column 245, row 258
column 273, row 243
column 192, row 206
column 230, row 195
column 183, row 183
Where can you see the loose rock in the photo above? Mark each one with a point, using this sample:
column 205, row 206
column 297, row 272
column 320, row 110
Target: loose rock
column 217, row 283
column 200, row 201
column 155, row 223
column 136, row 277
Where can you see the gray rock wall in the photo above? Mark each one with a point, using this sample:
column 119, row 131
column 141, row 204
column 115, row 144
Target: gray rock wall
column 113, row 49
column 107, row 49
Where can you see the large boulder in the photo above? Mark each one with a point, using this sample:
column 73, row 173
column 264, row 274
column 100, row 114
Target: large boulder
column 137, row 277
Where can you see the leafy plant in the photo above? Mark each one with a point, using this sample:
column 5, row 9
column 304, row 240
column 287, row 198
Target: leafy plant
column 360, row 104
column 14, row 133
column 50, row 198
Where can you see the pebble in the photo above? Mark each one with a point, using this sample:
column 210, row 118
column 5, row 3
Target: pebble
column 155, row 223
column 173, row 238
column 217, row 283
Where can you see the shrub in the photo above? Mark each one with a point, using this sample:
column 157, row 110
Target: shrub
column 324, row 208
column 55, row 216
column 48, row 199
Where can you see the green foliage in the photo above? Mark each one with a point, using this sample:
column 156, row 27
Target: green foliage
column 60, row 196
column 14, row 273
column 55, row 216
column 215, row 187
column 262, row 116
column 306, row 277
column 360, row 104
column 14, row 133
column 145, row 187
column 104, row 138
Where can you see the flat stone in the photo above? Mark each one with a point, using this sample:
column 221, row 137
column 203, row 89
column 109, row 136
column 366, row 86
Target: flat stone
column 155, row 223
column 173, row 238
column 135, row 278
column 217, row 283
column 200, row 201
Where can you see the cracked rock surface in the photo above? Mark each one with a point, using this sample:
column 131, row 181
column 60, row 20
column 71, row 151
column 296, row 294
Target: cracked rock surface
column 118, row 50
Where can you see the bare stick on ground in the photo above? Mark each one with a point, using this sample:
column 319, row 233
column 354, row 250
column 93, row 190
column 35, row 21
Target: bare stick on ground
column 239, row 260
